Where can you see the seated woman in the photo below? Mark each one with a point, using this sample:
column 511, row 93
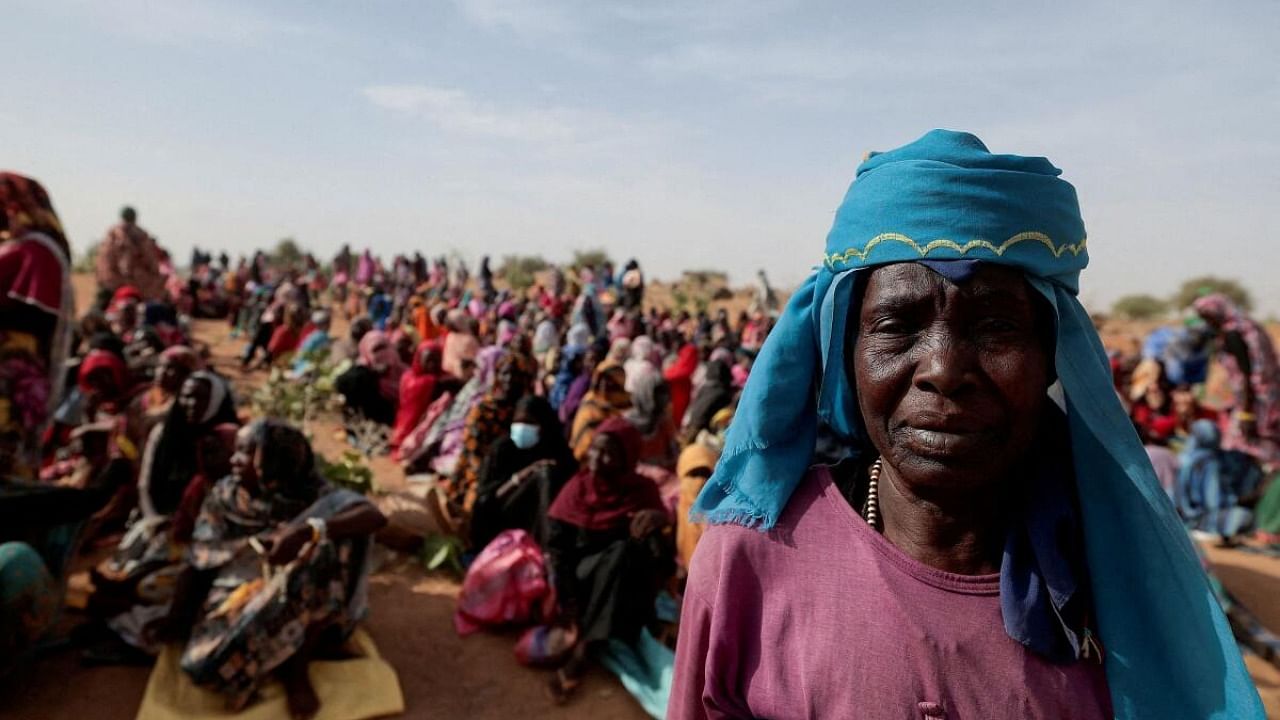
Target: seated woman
column 650, row 413
column 521, row 475
column 610, row 549
column 370, row 389
column 436, row 443
column 488, row 421
column 715, row 394
column 287, row 337
column 172, row 369
column 419, row 387
column 997, row 527
column 606, row 398
column 1153, row 409
column 276, row 571
column 109, row 393
column 184, row 455
column 1213, row 485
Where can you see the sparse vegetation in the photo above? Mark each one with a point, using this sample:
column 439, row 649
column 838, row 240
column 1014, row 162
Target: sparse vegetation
column 1205, row 284
column 1140, row 307
column 592, row 258
column 519, row 270
column 287, row 253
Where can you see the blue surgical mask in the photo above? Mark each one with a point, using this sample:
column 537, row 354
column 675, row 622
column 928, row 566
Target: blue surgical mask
column 524, row 435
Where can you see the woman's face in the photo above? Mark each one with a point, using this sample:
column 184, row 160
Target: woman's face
column 1155, row 396
column 404, row 348
column 170, row 375
column 524, row 416
column 382, row 354
column 102, row 384
column 244, row 462
column 429, row 360
column 950, row 379
column 505, row 383
column 194, row 398
column 1184, row 402
column 605, row 457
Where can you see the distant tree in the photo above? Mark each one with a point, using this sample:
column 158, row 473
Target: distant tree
column 86, row 262
column 519, row 270
column 287, row 253
column 592, row 258
column 1140, row 307
column 1197, row 287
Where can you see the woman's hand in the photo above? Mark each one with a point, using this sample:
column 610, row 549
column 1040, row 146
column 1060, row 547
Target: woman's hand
column 646, row 522
column 287, row 543
column 523, row 476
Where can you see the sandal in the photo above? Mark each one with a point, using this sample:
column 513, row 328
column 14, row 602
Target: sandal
column 560, row 687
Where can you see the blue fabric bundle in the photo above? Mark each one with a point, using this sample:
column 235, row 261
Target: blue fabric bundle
column 1169, row 649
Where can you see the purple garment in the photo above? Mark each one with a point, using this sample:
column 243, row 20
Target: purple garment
column 1166, row 465
column 573, row 399
column 824, row 618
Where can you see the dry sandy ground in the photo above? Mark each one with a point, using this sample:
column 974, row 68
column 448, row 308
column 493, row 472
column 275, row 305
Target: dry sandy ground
column 444, row 676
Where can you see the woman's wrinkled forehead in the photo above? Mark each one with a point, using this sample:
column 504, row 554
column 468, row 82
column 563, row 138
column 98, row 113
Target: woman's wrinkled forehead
column 985, row 282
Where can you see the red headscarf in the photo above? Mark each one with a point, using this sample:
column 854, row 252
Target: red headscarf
column 104, row 360
column 679, row 377
column 595, row 503
column 122, row 295
column 417, row 390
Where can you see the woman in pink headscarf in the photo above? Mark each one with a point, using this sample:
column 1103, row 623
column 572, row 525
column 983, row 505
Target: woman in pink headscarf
column 371, row 387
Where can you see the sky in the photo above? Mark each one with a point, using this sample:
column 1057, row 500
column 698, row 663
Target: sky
column 690, row 135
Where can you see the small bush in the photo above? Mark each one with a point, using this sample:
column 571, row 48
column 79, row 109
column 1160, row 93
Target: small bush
column 519, row 270
column 593, row 258
column 1140, row 307
column 1198, row 287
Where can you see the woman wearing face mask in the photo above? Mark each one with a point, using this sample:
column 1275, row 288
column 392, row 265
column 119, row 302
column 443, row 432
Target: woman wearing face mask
column 488, row 420
column 521, row 474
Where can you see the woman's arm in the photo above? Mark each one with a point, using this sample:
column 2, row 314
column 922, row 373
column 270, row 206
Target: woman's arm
column 359, row 520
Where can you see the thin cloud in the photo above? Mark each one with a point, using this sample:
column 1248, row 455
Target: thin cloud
column 531, row 18
column 454, row 111
column 173, row 22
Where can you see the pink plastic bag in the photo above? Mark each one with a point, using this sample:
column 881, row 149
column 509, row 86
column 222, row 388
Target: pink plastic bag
column 506, row 585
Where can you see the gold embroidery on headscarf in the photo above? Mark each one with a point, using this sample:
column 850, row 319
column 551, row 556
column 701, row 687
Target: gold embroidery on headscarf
column 943, row 243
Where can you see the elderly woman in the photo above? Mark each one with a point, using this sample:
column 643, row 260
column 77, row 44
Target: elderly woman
column 995, row 524
column 276, row 571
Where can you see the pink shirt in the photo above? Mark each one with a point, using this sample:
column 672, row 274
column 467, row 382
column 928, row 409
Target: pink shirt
column 824, row 618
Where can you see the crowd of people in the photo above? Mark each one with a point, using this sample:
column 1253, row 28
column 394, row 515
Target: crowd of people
column 570, row 411
column 1212, row 440
column 568, row 431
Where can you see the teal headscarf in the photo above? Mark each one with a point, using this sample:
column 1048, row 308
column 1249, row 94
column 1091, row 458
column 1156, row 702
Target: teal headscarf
column 1169, row 650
